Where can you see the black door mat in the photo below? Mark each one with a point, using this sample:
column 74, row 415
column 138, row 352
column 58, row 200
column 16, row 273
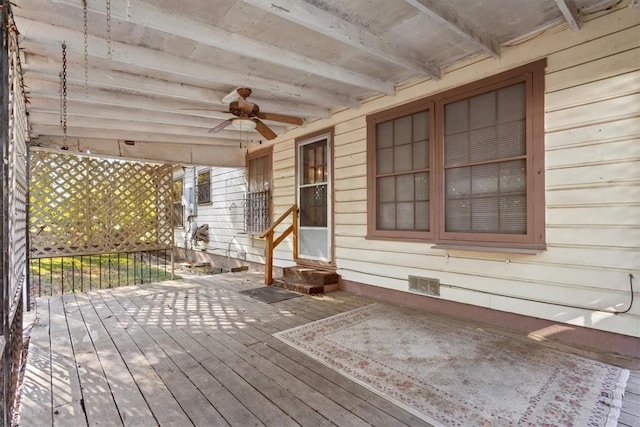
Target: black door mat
column 270, row 294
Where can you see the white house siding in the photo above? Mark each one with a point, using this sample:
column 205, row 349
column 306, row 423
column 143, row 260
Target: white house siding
column 592, row 186
column 224, row 215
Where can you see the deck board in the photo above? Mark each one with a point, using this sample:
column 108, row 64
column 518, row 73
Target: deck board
column 196, row 352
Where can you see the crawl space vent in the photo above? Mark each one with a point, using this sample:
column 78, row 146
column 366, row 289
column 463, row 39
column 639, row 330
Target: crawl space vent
column 424, row 285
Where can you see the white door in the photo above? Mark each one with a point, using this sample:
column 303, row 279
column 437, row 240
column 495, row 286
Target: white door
column 314, row 199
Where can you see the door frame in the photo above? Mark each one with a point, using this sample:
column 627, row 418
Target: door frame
column 308, row 138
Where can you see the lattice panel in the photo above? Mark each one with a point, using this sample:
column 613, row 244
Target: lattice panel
column 17, row 171
column 83, row 205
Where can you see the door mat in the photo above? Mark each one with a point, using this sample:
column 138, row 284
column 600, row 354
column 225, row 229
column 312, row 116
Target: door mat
column 453, row 375
column 270, row 294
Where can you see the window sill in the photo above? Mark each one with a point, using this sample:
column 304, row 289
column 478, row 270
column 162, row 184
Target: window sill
column 204, row 203
column 501, row 249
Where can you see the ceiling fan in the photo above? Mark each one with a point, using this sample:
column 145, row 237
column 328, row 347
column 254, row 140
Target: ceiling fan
column 248, row 116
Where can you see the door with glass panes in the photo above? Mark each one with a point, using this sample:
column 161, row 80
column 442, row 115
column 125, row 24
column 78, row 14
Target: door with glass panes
column 314, row 199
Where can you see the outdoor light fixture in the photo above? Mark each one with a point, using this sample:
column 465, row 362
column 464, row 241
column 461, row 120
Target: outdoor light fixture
column 244, row 124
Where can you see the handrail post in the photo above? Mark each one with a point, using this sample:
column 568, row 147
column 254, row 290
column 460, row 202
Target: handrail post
column 271, row 244
column 295, row 234
column 268, row 267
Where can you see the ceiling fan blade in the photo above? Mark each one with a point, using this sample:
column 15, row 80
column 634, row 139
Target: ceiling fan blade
column 231, row 96
column 264, row 130
column 280, row 118
column 221, row 126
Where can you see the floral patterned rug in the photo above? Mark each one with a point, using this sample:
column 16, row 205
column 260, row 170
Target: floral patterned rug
column 451, row 375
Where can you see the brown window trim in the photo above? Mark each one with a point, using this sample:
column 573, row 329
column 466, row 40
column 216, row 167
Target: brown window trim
column 534, row 76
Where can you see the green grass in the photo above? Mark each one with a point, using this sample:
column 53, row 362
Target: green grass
column 52, row 276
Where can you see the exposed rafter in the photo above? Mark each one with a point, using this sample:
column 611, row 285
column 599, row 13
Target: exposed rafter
column 151, row 17
column 322, row 22
column 192, row 96
column 37, row 39
column 570, row 13
column 449, row 18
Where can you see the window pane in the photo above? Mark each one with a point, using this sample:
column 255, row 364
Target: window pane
column 482, row 110
column 404, row 188
column 458, row 182
column 402, row 158
column 513, row 214
column 404, row 212
column 484, row 215
column 484, row 179
column 422, row 186
column 512, row 139
column 456, row 117
column 422, row 216
column 386, row 216
column 384, row 137
column 385, row 161
column 512, row 103
column 458, row 215
column 313, row 209
column 387, row 189
column 402, row 130
column 421, row 126
column 483, row 144
column 421, row 155
column 513, row 177
column 456, row 148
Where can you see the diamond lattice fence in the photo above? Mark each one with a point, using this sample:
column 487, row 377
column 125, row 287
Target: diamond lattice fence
column 83, row 205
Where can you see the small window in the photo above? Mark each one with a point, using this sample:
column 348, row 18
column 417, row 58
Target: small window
column 204, row 187
column 258, row 201
column 464, row 167
column 178, row 208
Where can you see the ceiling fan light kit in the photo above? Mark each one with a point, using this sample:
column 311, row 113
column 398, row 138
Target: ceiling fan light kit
column 245, row 125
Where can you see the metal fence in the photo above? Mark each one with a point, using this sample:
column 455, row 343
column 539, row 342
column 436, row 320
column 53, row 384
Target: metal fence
column 82, row 273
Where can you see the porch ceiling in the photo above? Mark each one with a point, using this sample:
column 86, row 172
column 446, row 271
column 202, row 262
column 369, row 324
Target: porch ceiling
column 304, row 58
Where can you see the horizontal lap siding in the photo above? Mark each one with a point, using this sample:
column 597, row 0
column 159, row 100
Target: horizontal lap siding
column 592, row 144
column 224, row 215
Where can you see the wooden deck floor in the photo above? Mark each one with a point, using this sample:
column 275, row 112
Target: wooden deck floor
column 196, row 352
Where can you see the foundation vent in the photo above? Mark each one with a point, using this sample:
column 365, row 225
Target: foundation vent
column 424, row 285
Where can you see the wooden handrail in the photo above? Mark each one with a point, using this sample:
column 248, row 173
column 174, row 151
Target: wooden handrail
column 271, row 243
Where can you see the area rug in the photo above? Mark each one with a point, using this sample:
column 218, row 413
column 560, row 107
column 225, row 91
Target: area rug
column 452, row 375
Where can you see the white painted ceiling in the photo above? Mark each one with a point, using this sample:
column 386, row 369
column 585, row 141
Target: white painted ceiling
column 302, row 58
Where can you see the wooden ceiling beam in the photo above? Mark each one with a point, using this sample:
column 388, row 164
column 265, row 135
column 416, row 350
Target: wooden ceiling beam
column 155, row 151
column 322, row 22
column 45, row 39
column 149, row 16
column 100, row 124
column 79, row 110
column 570, row 13
column 449, row 18
column 41, row 68
column 88, row 132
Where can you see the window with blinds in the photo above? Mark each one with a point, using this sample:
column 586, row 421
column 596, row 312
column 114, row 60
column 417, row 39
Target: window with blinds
column 178, row 209
column 464, row 167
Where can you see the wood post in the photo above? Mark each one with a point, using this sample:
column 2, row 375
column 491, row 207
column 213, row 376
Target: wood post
column 271, row 244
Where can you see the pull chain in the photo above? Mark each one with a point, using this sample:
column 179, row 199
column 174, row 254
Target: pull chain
column 109, row 51
column 86, row 46
column 63, row 97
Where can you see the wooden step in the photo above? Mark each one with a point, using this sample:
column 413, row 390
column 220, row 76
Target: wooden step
column 308, row 280
column 309, row 276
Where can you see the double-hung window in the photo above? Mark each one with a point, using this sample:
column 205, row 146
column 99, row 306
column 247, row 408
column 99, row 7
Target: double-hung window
column 204, row 187
column 464, row 167
column 178, row 209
